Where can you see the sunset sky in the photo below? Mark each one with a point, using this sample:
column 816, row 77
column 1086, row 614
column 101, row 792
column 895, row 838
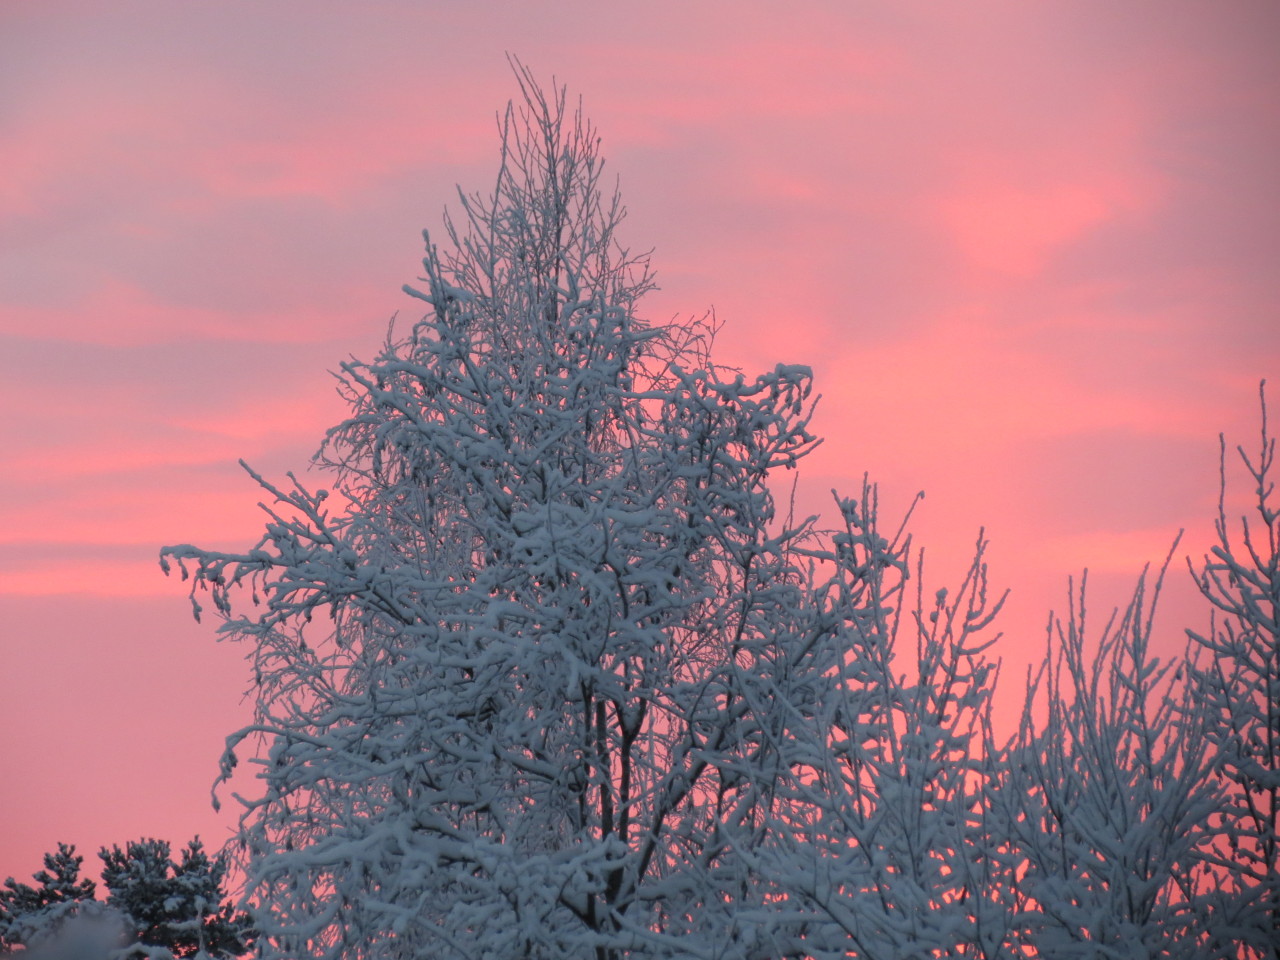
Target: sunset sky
column 1029, row 249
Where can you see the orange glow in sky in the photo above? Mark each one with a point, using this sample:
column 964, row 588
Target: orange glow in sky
column 1029, row 249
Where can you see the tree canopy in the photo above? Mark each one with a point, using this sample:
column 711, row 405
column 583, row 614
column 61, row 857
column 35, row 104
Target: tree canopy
column 543, row 671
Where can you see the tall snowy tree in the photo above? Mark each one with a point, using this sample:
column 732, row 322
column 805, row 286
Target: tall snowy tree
column 1238, row 689
column 504, row 670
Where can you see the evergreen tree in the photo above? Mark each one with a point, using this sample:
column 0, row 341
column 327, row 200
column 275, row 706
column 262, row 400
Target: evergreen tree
column 155, row 907
column 27, row 912
column 175, row 905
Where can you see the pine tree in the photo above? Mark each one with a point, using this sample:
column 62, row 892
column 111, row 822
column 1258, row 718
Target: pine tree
column 174, row 905
column 155, row 907
column 28, row 912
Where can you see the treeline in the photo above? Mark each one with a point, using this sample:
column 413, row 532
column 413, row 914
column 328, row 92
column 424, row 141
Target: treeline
column 155, row 907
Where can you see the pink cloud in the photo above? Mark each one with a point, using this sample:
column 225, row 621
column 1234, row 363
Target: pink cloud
column 1010, row 231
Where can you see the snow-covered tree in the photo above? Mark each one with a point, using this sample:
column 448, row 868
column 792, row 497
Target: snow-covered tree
column 882, row 842
column 504, row 670
column 1238, row 691
column 1111, row 793
column 177, row 906
column 155, row 908
column 29, row 913
column 539, row 672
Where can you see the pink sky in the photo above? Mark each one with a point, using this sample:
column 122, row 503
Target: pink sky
column 1029, row 249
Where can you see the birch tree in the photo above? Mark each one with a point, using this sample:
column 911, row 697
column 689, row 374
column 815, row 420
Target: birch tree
column 498, row 661
column 540, row 672
column 883, row 843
